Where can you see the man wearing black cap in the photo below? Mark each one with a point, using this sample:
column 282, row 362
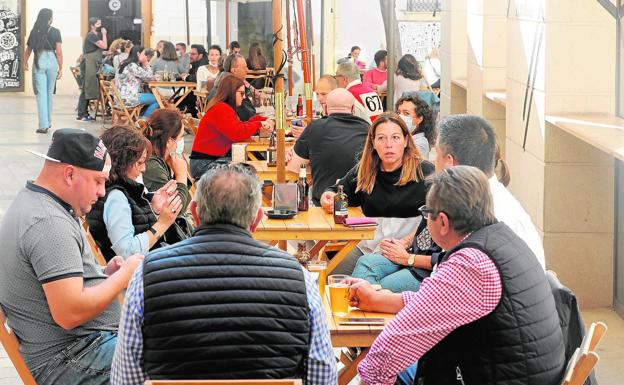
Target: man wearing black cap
column 59, row 302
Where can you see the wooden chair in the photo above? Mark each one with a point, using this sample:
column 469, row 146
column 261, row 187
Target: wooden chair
column 223, row 382
column 584, row 358
column 11, row 345
column 190, row 124
column 119, row 110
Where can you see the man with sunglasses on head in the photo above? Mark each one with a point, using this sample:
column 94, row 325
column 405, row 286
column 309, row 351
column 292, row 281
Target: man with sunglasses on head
column 485, row 316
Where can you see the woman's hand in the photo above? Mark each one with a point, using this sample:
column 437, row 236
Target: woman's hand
column 179, row 167
column 162, row 195
column 266, row 127
column 394, row 250
column 327, row 201
column 59, row 74
column 170, row 211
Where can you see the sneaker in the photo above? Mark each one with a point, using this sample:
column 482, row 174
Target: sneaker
column 42, row 130
column 86, row 118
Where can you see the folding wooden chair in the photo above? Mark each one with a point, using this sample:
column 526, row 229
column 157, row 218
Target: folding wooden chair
column 190, row 124
column 11, row 345
column 119, row 110
column 584, row 358
column 223, row 382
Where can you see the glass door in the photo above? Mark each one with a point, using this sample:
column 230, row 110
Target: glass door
column 122, row 19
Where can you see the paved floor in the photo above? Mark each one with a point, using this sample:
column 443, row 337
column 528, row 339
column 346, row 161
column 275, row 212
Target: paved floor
column 18, row 121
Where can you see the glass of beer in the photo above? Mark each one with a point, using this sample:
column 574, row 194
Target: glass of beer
column 338, row 294
column 319, row 268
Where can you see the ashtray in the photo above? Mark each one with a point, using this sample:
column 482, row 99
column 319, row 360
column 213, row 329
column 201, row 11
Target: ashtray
column 281, row 214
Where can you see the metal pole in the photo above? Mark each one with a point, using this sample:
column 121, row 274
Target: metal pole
column 290, row 62
column 310, row 32
column 390, row 41
column 305, row 60
column 279, row 92
column 227, row 25
column 188, row 27
column 322, row 36
column 208, row 22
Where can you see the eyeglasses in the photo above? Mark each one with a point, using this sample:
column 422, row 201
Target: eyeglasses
column 425, row 212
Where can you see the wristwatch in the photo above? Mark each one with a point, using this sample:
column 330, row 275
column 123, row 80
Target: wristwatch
column 153, row 231
column 410, row 260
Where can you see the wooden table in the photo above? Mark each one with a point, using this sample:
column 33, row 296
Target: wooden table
column 256, row 144
column 177, row 88
column 315, row 224
column 264, row 172
column 361, row 336
column 202, row 97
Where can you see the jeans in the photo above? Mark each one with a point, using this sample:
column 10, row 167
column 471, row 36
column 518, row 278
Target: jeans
column 377, row 269
column 200, row 166
column 149, row 100
column 86, row 361
column 44, row 80
column 348, row 263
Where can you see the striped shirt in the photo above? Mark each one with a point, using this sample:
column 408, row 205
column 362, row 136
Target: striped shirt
column 462, row 289
column 127, row 367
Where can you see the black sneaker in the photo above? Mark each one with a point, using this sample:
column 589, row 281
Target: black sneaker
column 42, row 130
column 86, row 118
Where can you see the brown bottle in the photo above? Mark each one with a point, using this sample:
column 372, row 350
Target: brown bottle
column 272, row 151
column 302, row 255
column 341, row 205
column 302, row 190
column 299, row 106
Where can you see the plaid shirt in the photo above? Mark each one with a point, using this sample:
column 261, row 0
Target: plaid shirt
column 127, row 367
column 462, row 289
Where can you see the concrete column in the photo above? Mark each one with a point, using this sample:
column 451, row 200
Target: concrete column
column 565, row 185
column 453, row 54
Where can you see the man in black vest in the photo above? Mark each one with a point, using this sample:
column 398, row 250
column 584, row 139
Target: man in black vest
column 485, row 316
column 221, row 305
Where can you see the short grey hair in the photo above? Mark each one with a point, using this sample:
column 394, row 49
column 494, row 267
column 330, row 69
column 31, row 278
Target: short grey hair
column 229, row 194
column 349, row 70
column 463, row 194
column 230, row 61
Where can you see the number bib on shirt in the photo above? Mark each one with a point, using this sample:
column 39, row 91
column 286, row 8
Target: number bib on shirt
column 372, row 103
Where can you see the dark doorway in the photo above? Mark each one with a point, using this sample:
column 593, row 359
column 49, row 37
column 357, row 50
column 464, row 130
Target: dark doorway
column 122, row 18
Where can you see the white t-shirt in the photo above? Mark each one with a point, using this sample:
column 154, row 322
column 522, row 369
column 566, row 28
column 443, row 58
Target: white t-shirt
column 203, row 74
column 509, row 211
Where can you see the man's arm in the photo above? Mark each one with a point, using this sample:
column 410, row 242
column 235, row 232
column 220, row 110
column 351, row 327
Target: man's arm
column 71, row 304
column 127, row 367
column 463, row 289
column 295, row 162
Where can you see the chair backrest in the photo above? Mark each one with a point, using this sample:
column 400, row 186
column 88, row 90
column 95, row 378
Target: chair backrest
column 11, row 345
column 223, row 382
column 119, row 107
column 584, row 358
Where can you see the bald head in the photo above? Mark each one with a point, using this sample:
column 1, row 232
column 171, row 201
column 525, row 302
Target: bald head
column 340, row 100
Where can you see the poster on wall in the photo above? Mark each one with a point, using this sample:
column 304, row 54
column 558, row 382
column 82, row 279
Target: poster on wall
column 11, row 45
column 419, row 37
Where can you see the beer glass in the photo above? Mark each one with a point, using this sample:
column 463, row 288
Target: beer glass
column 319, row 268
column 338, row 294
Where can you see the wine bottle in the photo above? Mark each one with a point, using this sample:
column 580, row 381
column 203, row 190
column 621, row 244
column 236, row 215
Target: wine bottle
column 302, row 190
column 341, row 205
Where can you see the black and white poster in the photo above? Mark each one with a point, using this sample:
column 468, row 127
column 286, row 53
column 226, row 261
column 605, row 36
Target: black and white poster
column 11, row 45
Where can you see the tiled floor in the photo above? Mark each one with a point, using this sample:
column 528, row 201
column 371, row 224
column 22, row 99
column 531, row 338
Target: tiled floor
column 18, row 121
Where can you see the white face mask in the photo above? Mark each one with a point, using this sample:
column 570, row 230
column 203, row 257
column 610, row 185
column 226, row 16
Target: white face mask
column 139, row 178
column 179, row 147
column 409, row 121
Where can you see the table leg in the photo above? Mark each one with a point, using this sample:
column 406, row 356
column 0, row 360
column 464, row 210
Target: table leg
column 282, row 245
column 158, row 97
column 251, row 155
column 317, row 248
column 341, row 255
column 181, row 98
column 346, row 375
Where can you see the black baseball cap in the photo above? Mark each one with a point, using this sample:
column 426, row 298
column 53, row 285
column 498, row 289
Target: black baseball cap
column 78, row 148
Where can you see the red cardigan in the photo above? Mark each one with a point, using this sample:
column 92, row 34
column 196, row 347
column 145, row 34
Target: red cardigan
column 220, row 127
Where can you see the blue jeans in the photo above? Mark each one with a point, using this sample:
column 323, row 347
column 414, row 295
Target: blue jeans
column 377, row 269
column 149, row 100
column 86, row 361
column 44, row 79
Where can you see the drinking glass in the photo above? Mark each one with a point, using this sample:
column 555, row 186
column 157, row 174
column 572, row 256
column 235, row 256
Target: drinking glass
column 338, row 294
column 319, row 268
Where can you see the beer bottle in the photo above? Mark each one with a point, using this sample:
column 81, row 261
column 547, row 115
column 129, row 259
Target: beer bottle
column 272, row 151
column 340, row 206
column 299, row 106
column 302, row 190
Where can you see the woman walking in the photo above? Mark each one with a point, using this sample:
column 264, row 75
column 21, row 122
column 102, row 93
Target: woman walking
column 45, row 41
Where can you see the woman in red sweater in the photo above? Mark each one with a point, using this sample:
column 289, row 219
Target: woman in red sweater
column 220, row 126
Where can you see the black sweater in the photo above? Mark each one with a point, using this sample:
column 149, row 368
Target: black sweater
column 387, row 200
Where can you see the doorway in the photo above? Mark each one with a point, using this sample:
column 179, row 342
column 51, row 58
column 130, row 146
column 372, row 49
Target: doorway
column 121, row 18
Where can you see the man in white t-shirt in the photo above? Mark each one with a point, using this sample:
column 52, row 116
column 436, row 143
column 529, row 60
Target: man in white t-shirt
column 469, row 140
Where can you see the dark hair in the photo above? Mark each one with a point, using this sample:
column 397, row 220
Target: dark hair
column 226, row 91
column 380, row 56
column 469, row 139
column 422, row 109
column 162, row 124
column 256, row 60
column 199, row 48
column 125, row 146
column 93, row 20
column 217, row 47
column 38, row 39
column 463, row 194
column 133, row 57
column 409, row 68
column 354, row 48
column 168, row 51
column 182, row 44
column 234, row 44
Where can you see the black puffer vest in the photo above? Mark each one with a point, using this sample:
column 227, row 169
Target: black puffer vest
column 520, row 342
column 142, row 215
column 221, row 305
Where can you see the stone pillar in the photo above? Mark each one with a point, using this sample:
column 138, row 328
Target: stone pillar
column 453, row 56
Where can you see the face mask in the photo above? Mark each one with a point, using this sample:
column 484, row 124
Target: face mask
column 409, row 121
column 179, row 147
column 139, row 179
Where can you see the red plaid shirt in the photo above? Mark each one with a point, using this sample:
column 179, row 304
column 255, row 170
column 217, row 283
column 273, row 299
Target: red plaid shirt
column 463, row 289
